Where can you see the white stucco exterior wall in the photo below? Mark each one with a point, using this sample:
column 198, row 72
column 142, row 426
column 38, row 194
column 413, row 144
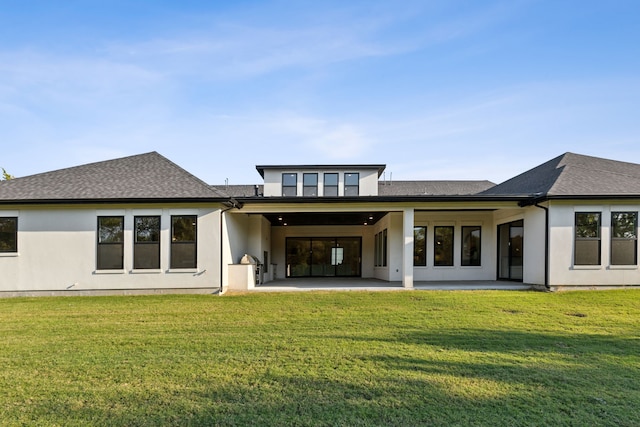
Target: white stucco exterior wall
column 563, row 272
column 487, row 268
column 534, row 246
column 57, row 249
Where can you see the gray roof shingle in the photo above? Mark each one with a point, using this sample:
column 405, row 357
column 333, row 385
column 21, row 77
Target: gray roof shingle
column 143, row 176
column 238, row 190
column 574, row 175
column 432, row 188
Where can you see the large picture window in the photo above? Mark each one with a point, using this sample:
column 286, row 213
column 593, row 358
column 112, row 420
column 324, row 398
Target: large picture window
column 443, row 246
column 110, row 243
column 420, row 246
column 587, row 238
column 289, row 184
column 624, row 238
column 8, row 234
column 184, row 241
column 310, row 184
column 146, row 245
column 470, row 246
column 331, row 184
column 352, row 184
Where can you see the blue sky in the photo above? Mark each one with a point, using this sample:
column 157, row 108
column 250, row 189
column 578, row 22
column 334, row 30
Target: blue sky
column 434, row 89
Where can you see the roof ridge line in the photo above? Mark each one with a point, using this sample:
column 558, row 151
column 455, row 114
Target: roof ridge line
column 191, row 176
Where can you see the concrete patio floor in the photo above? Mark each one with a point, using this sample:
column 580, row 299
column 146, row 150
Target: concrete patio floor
column 359, row 284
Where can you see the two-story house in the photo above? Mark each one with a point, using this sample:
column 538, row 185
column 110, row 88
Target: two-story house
column 142, row 223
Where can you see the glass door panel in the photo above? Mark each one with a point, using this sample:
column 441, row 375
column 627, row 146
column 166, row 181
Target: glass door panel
column 516, row 234
column 348, row 256
column 321, row 251
column 510, row 250
column 298, row 257
column 323, row 256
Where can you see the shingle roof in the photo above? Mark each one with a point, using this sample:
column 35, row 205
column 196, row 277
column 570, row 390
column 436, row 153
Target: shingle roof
column 238, row 190
column 574, row 175
column 143, row 176
column 432, row 188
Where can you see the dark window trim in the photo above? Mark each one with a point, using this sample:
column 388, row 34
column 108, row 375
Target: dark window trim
column 435, row 245
column 380, row 249
column 583, row 239
column 332, row 186
column 623, row 239
column 384, row 248
column 295, row 186
column 351, row 186
column 14, row 247
column 462, row 257
column 101, row 244
column 136, row 243
column 184, row 242
column 306, row 187
column 417, row 261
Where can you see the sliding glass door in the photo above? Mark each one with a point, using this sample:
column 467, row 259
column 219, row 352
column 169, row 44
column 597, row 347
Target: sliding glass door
column 323, row 256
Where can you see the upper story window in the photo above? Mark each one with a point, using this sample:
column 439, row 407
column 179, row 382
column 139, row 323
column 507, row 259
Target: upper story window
column 331, row 185
column 289, row 184
column 351, row 184
column 8, row 234
column 624, row 238
column 587, row 238
column 310, row 184
column 110, row 243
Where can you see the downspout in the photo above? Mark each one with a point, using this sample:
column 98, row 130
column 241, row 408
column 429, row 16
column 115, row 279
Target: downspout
column 546, row 244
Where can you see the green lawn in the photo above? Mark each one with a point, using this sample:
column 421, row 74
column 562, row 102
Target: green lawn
column 330, row 358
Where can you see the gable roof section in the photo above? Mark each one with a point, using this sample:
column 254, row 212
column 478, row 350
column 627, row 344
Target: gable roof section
column 147, row 176
column 573, row 175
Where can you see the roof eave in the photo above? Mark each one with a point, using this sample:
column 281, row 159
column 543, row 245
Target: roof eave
column 112, row 201
column 386, row 199
column 379, row 167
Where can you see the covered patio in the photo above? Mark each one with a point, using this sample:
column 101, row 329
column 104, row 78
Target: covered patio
column 359, row 284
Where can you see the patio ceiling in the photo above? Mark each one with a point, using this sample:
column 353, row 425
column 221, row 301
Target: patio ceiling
column 324, row 218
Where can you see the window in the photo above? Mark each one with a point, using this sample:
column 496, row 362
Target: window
column 352, row 184
column 420, row 246
column 310, row 184
column 8, row 234
column 587, row 243
column 331, row 184
column 376, row 252
column 110, row 243
column 183, row 241
column 443, row 246
column 470, row 246
column 380, row 251
column 384, row 247
column 289, row 184
column 624, row 238
column 146, row 245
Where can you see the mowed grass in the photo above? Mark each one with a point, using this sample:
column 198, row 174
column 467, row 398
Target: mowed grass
column 332, row 358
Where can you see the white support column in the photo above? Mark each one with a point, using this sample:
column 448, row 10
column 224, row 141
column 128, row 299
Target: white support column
column 407, row 247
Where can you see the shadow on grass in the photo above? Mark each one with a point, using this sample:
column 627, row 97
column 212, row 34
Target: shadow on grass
column 457, row 377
